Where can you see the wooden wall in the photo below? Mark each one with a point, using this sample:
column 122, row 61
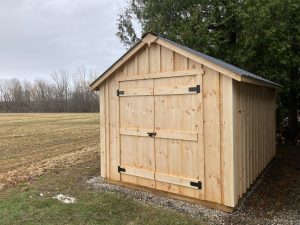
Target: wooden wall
column 230, row 161
column 254, row 131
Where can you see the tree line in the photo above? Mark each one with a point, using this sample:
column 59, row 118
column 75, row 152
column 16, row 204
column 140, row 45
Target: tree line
column 262, row 37
column 65, row 92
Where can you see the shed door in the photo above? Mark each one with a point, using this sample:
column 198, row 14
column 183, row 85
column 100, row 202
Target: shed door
column 178, row 141
column 161, row 133
column 136, row 121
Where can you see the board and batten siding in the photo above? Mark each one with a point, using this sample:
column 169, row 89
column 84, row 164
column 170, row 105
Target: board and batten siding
column 254, row 132
column 216, row 138
column 235, row 128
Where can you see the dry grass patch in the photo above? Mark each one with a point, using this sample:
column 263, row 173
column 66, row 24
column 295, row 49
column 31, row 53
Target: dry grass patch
column 34, row 143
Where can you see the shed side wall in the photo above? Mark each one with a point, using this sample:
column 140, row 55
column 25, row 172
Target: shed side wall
column 254, row 132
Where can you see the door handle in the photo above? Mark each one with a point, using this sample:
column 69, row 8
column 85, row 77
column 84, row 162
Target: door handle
column 151, row 134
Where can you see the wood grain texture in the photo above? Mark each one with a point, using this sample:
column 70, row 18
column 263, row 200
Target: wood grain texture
column 211, row 101
column 114, row 147
column 222, row 136
column 228, row 155
column 257, row 134
column 103, row 165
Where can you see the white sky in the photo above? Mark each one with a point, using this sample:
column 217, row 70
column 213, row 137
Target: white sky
column 40, row 36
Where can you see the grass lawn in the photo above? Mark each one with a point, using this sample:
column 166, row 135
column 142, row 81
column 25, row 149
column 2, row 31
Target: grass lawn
column 24, row 205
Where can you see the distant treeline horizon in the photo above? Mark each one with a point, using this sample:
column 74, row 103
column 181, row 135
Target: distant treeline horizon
column 65, row 92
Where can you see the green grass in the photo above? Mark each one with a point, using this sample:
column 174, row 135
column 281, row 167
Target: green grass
column 24, row 205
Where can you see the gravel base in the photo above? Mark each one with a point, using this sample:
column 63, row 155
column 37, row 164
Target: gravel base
column 147, row 198
column 275, row 198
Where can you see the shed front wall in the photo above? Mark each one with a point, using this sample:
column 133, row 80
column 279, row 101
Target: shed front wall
column 215, row 129
column 254, row 132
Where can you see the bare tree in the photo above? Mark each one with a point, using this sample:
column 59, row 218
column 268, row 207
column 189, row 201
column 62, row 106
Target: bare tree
column 64, row 94
column 62, row 82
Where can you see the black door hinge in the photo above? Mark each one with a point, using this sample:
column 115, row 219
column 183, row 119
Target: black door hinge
column 120, row 169
column 151, row 134
column 195, row 89
column 196, row 184
column 120, row 92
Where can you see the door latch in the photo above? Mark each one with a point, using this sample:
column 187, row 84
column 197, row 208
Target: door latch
column 151, row 134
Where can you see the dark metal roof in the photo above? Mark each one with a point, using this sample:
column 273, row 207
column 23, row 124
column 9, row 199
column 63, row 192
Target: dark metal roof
column 218, row 62
column 221, row 63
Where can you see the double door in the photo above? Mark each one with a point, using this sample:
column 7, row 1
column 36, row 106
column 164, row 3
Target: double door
column 161, row 129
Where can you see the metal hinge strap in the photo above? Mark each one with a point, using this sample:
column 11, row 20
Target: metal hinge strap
column 195, row 89
column 120, row 92
column 120, row 169
column 196, row 184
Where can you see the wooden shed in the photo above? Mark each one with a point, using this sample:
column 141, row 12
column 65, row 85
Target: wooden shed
column 184, row 124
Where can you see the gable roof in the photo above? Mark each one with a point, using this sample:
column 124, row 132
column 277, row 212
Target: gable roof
column 220, row 66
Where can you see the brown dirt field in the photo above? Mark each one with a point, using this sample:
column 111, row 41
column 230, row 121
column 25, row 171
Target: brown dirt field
column 33, row 143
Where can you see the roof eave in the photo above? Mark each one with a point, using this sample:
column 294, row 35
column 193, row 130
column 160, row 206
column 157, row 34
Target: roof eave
column 250, row 80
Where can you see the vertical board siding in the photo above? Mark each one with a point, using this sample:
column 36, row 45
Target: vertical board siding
column 142, row 61
column 107, row 147
column 102, row 132
column 236, row 145
column 180, row 62
column 235, row 127
column 194, row 65
column 154, row 58
column 167, row 60
column 114, row 150
column 227, row 153
column 211, row 101
column 257, row 124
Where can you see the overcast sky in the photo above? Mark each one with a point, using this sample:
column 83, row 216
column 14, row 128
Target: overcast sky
column 40, row 36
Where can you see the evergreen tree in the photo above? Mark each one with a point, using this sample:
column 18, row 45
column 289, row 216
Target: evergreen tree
column 262, row 36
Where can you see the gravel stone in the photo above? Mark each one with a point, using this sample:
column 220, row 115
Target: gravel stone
column 273, row 200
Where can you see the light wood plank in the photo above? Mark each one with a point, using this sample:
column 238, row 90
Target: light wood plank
column 154, row 60
column 142, row 61
column 137, row 149
column 177, row 135
column 176, row 90
column 227, row 140
column 199, row 59
column 177, row 157
column 211, row 100
column 133, row 171
column 167, row 59
column 180, row 62
column 157, row 75
column 135, row 131
column 114, row 144
column 137, row 92
column 199, row 127
column 107, row 133
column 181, row 181
column 102, row 132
